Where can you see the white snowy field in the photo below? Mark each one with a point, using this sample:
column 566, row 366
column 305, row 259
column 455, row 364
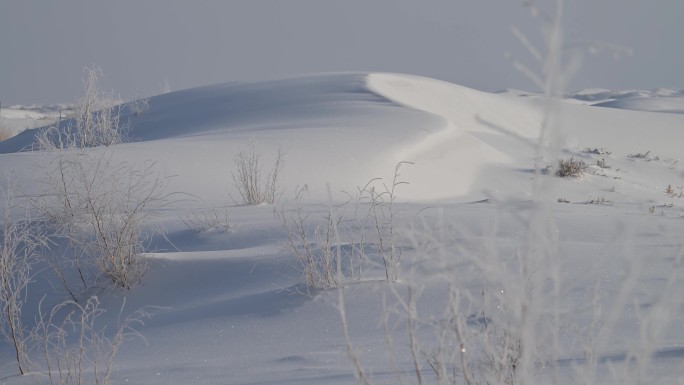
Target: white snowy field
column 17, row 118
column 583, row 274
column 658, row 100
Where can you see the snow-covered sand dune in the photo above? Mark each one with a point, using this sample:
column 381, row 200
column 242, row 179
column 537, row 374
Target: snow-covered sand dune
column 232, row 307
column 346, row 129
column 658, row 100
column 15, row 119
column 670, row 104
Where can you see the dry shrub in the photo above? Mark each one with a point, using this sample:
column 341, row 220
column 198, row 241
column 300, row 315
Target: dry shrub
column 253, row 188
column 571, row 168
column 336, row 250
column 96, row 120
column 100, row 207
column 20, row 242
column 77, row 347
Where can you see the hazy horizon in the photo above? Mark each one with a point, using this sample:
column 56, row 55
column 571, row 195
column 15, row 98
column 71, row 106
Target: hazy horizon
column 140, row 45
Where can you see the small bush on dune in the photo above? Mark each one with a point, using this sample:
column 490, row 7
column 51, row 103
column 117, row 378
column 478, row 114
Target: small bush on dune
column 19, row 245
column 100, row 207
column 602, row 163
column 207, row 220
column 253, row 188
column 337, row 249
column 139, row 106
column 596, row 151
column 643, row 155
column 317, row 256
column 599, row 201
column 76, row 348
column 571, row 168
column 639, row 155
column 674, row 193
column 96, row 120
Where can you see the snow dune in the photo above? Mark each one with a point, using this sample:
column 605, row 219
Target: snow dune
column 658, row 100
column 231, row 306
column 15, row 119
column 490, row 136
column 346, row 129
column 668, row 104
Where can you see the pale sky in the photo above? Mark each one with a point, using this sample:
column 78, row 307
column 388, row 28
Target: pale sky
column 139, row 44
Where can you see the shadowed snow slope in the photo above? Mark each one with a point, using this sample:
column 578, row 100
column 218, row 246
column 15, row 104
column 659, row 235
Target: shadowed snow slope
column 332, row 127
column 658, row 100
column 671, row 104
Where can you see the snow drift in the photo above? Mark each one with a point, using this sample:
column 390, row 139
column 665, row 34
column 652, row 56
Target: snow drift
column 346, row 129
column 230, row 305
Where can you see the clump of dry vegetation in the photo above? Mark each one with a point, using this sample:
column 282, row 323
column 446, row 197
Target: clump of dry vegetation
column 249, row 181
column 596, row 151
column 674, row 192
column 602, row 163
column 571, row 168
column 643, row 155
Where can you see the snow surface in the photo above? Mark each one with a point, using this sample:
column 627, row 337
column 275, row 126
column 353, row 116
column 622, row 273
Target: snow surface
column 658, row 100
column 670, row 104
column 18, row 118
column 231, row 307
